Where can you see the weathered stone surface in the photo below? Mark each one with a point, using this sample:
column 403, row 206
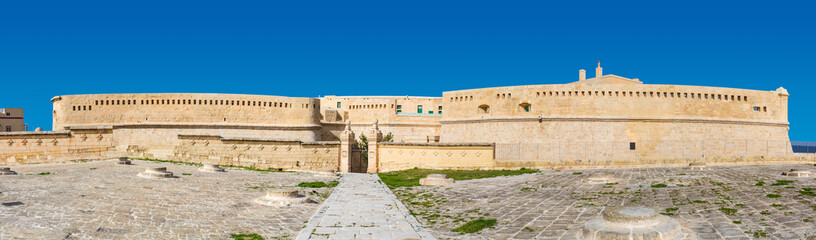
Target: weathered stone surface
column 326, row 173
column 631, row 223
column 362, row 207
column 797, row 173
column 727, row 202
column 601, row 179
column 435, row 179
column 102, row 200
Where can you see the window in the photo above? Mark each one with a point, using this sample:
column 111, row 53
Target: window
column 525, row 107
column 8, row 128
column 632, row 146
column 756, row 109
column 484, row 109
column 440, row 108
column 419, row 108
column 339, row 105
column 399, row 107
column 430, row 112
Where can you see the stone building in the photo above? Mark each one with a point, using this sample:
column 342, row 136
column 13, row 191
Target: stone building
column 11, row 120
column 605, row 120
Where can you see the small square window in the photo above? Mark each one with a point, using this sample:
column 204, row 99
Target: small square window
column 339, row 105
column 632, row 146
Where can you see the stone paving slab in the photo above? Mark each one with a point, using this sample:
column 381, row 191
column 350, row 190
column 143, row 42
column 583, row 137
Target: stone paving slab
column 104, row 200
column 362, row 207
column 727, row 202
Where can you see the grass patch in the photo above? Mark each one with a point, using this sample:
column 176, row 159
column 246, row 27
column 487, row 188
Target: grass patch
column 758, row 233
column 410, row 177
column 773, row 195
column 186, row 174
column 659, row 185
column 318, row 184
column 93, row 168
column 44, row 173
column 728, row 211
column 782, row 182
column 577, row 173
column 246, row 236
column 475, row 225
column 760, row 183
column 808, row 192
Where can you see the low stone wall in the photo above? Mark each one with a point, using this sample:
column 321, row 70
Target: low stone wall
column 400, row 156
column 258, row 152
column 17, row 148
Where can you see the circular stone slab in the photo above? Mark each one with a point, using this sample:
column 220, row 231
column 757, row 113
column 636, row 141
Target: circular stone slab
column 697, row 166
column 435, row 179
column 601, row 179
column 282, row 197
column 156, row 173
column 124, row 161
column 631, row 223
column 7, row 171
column 211, row 168
column 797, row 173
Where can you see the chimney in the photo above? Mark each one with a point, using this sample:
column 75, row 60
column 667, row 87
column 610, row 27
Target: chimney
column 598, row 70
column 581, row 75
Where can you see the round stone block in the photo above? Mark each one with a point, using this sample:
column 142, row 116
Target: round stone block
column 326, row 173
column 7, row 171
column 435, row 179
column 124, row 161
column 631, row 223
column 282, row 197
column 697, row 166
column 601, row 179
column 156, row 173
column 211, row 168
column 797, row 173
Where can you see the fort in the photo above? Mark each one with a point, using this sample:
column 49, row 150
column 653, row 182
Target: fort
column 605, row 121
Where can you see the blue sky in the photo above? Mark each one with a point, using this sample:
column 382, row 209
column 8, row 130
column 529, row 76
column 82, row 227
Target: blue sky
column 420, row 48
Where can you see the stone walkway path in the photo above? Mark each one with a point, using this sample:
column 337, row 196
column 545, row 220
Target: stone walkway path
column 362, row 207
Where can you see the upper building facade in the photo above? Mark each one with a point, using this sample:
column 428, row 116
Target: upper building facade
column 11, row 120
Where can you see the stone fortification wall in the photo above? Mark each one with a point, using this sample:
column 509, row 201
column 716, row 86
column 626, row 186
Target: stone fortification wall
column 258, row 152
column 400, row 156
column 159, row 140
column 637, row 101
column 195, row 108
column 57, row 146
column 619, row 122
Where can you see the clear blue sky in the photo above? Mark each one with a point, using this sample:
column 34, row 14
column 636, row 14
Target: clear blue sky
column 421, row 48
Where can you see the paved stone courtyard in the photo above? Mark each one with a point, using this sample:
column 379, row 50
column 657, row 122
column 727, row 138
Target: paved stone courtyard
column 362, row 207
column 720, row 203
column 104, row 200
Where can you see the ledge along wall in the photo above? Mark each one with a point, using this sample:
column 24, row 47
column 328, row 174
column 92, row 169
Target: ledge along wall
column 258, row 153
column 401, row 156
column 55, row 146
column 611, row 124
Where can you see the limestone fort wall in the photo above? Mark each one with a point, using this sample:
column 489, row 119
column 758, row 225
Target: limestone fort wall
column 184, row 108
column 148, row 125
column 632, row 121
